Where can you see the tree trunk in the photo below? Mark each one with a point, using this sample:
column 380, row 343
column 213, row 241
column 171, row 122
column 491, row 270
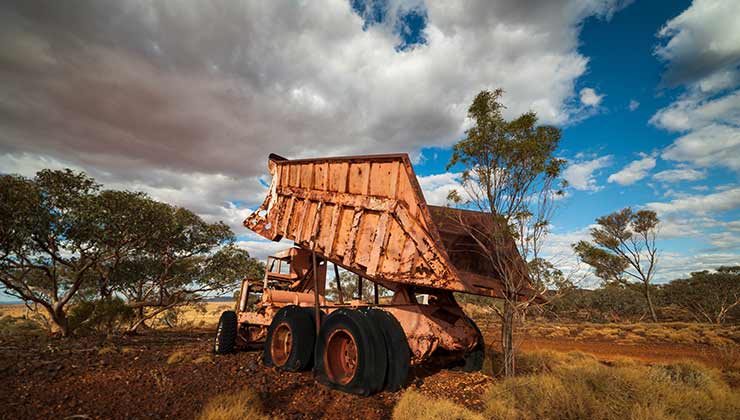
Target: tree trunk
column 650, row 303
column 507, row 338
column 58, row 320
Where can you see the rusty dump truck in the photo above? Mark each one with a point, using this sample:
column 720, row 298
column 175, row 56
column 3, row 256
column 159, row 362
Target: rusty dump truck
column 366, row 215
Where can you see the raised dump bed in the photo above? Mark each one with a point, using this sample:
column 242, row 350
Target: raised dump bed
column 366, row 214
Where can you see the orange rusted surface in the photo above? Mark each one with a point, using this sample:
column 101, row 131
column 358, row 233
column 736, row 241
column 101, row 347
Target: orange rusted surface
column 368, row 215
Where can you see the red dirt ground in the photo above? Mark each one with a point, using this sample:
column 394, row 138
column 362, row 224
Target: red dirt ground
column 68, row 378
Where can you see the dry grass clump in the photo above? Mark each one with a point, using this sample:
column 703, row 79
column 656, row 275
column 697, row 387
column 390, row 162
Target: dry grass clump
column 532, row 362
column 415, row 406
column 576, row 386
column 243, row 405
column 178, row 356
column 107, row 349
column 203, row 359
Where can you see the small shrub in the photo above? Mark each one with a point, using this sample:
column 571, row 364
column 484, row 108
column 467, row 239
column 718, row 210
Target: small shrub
column 203, row 359
column 413, row 406
column 178, row 357
column 243, row 405
column 532, row 362
column 11, row 325
column 103, row 315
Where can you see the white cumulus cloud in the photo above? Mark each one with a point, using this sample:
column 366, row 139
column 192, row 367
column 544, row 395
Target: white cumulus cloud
column 437, row 187
column 681, row 174
column 634, row 171
column 702, row 53
column 581, row 175
column 700, row 204
column 589, row 97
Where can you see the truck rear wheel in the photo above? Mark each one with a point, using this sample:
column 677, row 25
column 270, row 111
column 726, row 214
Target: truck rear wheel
column 290, row 340
column 396, row 348
column 352, row 354
column 225, row 340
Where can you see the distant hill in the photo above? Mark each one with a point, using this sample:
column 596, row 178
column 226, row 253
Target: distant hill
column 220, row 299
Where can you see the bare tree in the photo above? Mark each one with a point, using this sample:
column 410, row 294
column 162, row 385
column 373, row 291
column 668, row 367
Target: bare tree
column 624, row 249
column 512, row 176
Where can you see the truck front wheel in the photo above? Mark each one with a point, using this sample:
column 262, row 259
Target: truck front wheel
column 225, row 340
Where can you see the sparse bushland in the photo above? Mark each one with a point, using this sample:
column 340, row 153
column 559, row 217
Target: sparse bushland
column 414, row 405
column 639, row 333
column 242, row 405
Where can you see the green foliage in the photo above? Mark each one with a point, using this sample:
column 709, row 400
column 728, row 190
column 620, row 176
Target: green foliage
column 623, row 249
column 102, row 315
column 62, row 239
column 507, row 161
column 546, row 276
column 350, row 289
column 709, row 296
column 50, row 237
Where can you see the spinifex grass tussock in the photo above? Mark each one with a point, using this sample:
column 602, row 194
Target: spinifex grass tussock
column 577, row 386
column 241, row 405
column 178, row 356
column 415, row 406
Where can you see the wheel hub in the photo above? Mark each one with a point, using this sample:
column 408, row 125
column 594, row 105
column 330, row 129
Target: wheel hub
column 281, row 344
column 340, row 357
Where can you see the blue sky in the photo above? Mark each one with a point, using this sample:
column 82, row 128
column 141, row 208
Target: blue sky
column 186, row 101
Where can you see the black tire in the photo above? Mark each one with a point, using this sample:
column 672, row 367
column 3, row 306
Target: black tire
column 474, row 358
column 371, row 360
column 225, row 340
column 302, row 331
column 396, row 347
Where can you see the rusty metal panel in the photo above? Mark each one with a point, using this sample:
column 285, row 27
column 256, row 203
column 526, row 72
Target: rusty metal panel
column 367, row 214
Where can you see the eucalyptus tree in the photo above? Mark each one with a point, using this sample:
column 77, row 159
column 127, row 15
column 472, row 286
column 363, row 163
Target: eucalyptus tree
column 63, row 240
column 511, row 173
column 623, row 249
column 49, row 239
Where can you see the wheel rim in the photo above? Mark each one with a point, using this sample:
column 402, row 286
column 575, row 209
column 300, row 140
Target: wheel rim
column 281, row 344
column 340, row 357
